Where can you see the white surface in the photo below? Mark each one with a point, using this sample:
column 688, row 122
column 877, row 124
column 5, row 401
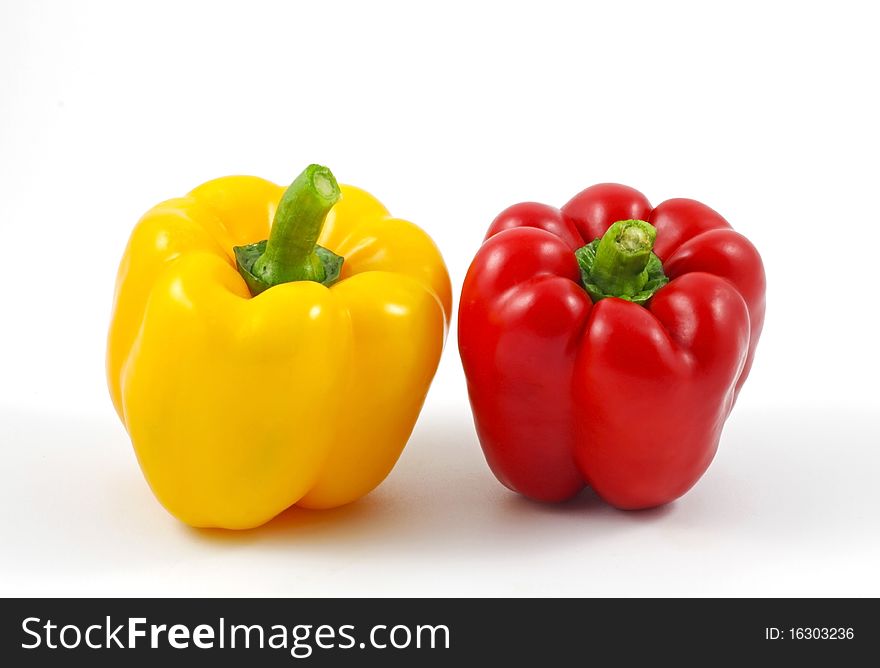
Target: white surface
column 767, row 113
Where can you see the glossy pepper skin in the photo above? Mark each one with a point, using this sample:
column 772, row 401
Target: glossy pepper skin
column 628, row 399
column 239, row 406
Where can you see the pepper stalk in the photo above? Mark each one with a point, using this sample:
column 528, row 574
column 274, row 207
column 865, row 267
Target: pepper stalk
column 621, row 263
column 291, row 253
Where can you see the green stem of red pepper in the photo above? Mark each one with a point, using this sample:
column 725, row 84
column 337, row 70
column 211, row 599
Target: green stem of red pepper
column 291, row 253
column 620, row 267
column 621, row 264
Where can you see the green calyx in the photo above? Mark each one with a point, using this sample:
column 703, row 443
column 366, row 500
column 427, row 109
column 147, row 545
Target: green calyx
column 621, row 264
column 291, row 253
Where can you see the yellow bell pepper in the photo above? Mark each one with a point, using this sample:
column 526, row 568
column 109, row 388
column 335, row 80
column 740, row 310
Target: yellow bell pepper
column 252, row 377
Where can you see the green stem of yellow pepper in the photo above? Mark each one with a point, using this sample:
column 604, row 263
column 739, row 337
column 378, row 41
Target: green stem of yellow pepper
column 290, row 253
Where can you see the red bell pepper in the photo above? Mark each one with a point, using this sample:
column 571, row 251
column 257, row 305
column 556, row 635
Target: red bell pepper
column 593, row 358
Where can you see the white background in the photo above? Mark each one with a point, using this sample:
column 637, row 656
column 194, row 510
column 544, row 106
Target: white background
column 766, row 111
